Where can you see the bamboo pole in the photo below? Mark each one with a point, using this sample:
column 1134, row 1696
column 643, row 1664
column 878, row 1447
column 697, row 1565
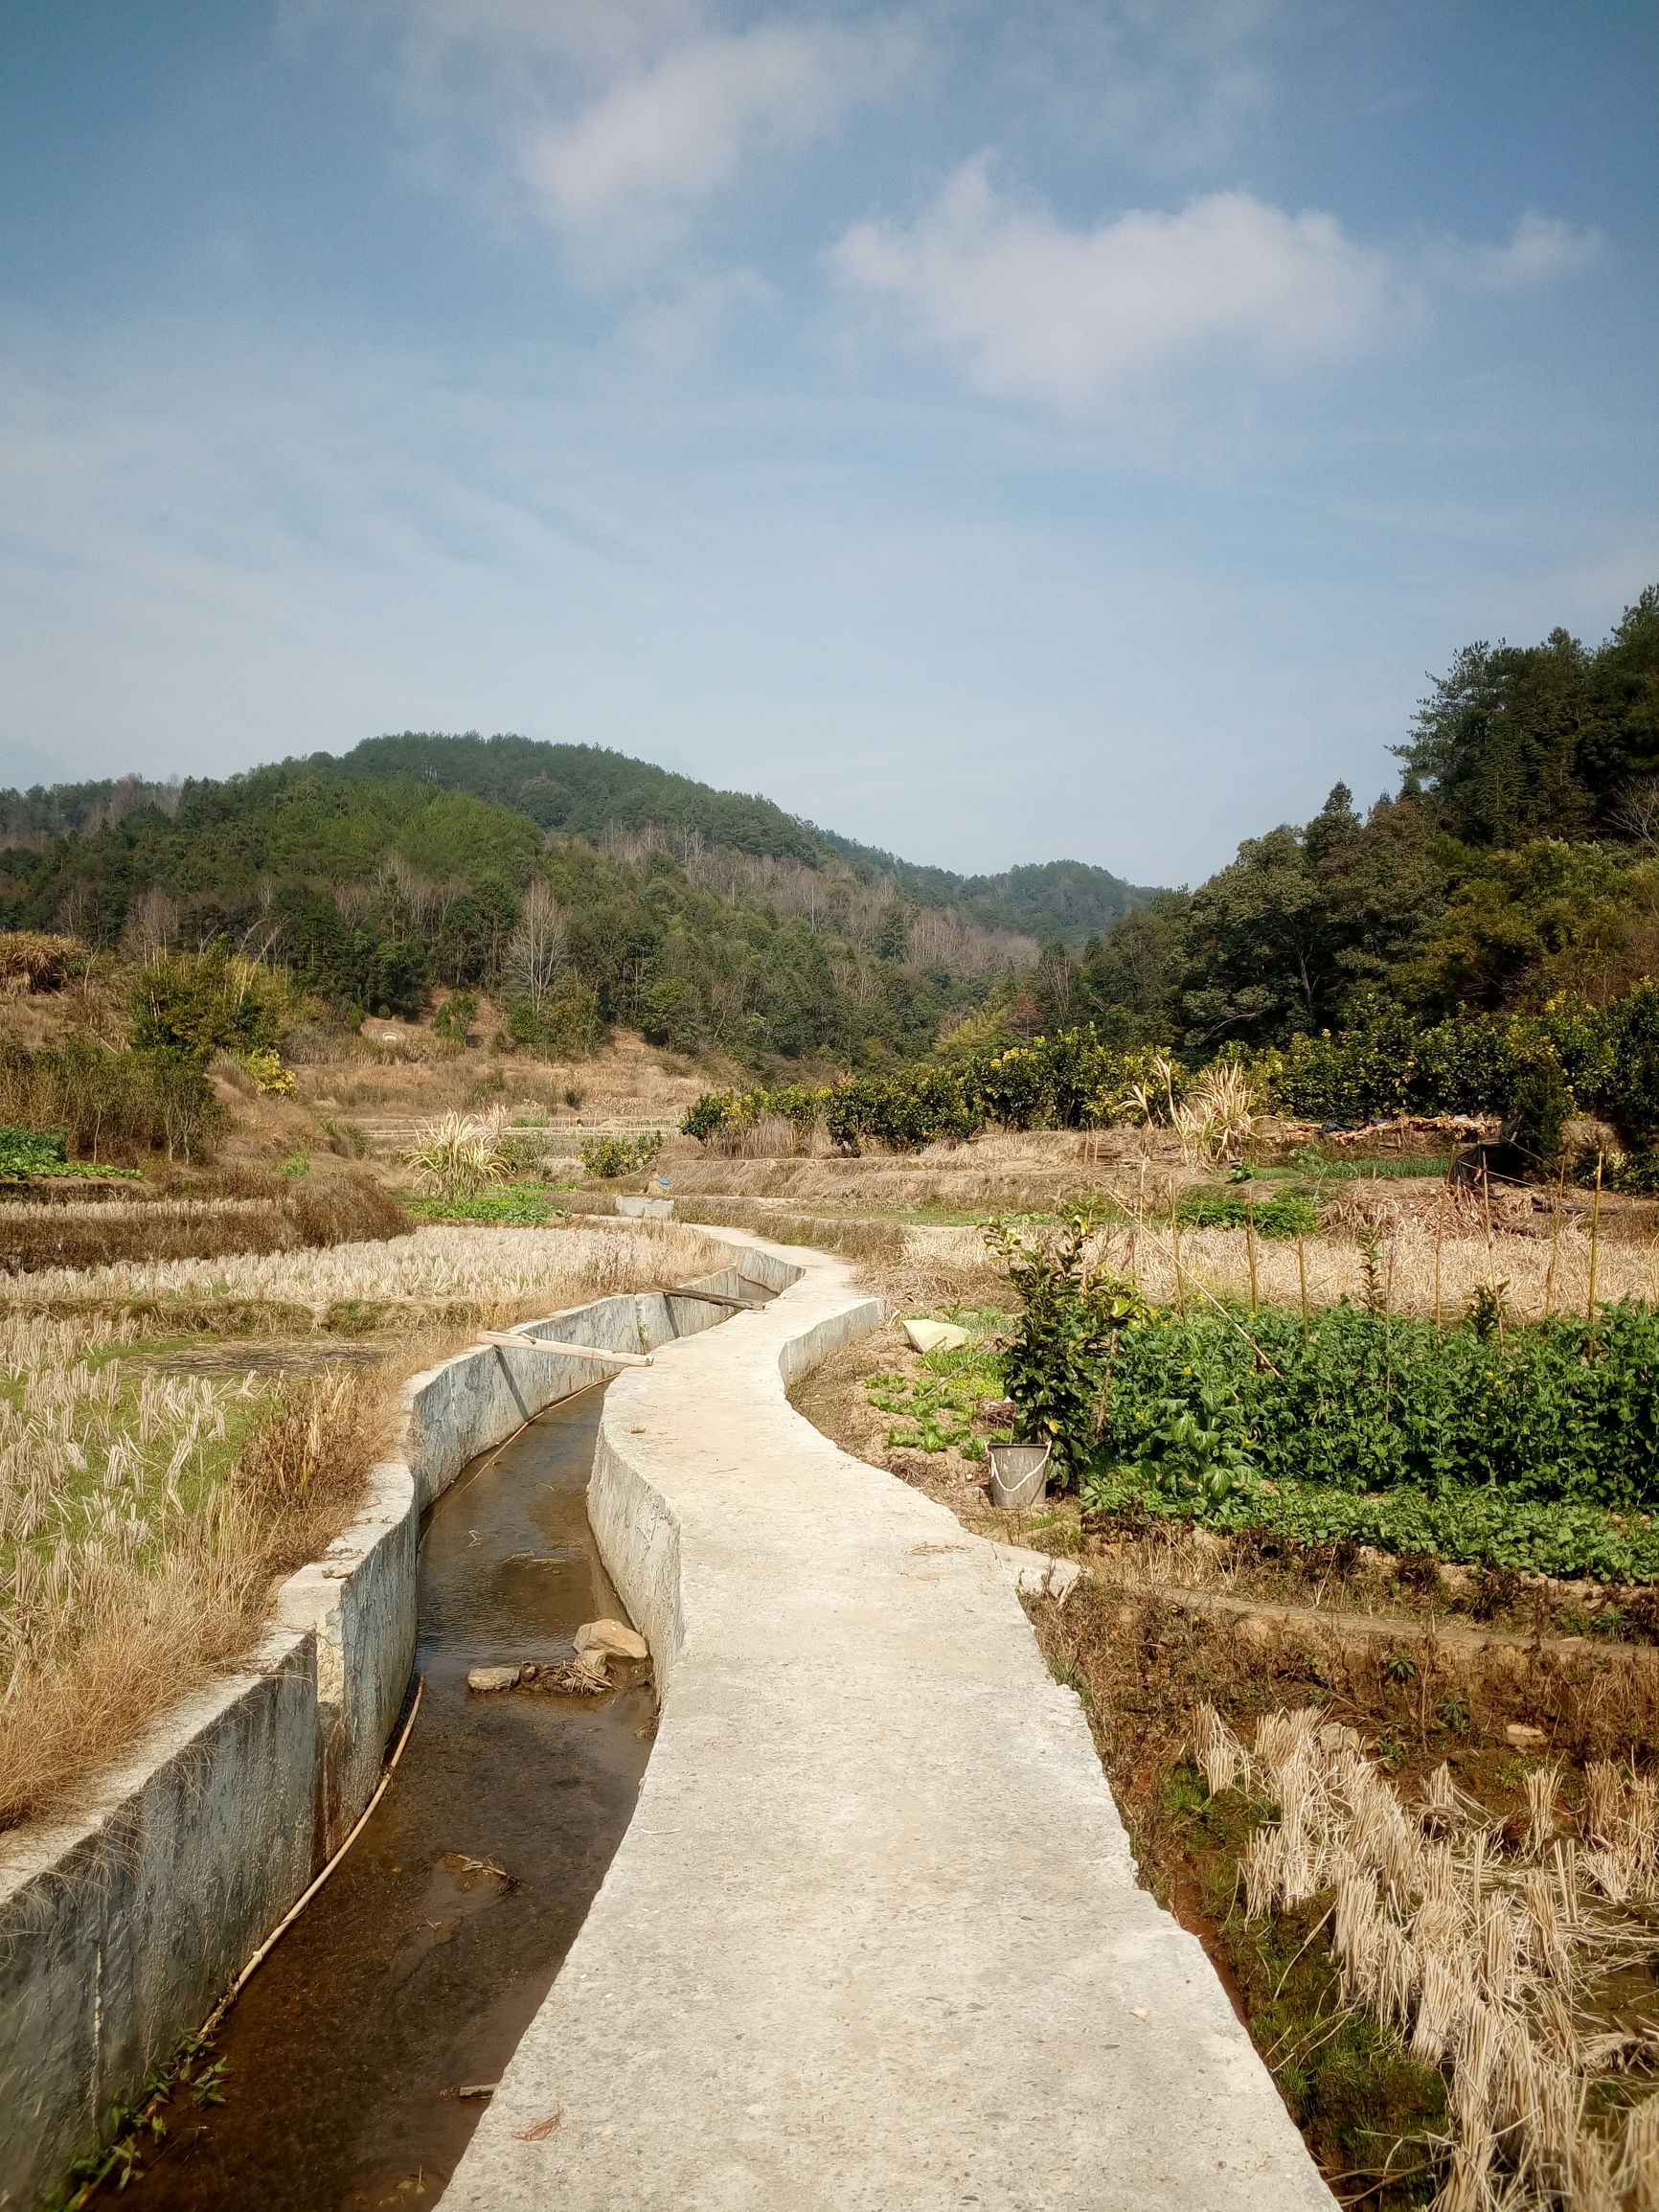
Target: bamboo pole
column 506, row 1337
column 1595, row 1243
column 1555, row 1244
column 1175, row 1248
column 1301, row 1279
column 1439, row 1241
column 1250, row 1249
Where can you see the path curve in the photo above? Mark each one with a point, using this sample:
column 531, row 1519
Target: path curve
column 873, row 1942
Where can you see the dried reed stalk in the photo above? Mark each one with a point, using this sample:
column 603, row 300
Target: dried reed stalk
column 1481, row 1951
column 494, row 1267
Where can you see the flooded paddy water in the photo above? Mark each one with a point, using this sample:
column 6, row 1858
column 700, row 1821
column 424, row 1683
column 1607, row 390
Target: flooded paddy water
column 413, row 1974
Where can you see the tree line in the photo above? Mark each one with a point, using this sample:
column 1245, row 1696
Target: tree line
column 1516, row 862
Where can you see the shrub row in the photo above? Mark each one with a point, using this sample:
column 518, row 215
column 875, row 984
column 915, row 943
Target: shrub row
column 1539, row 1067
column 1071, row 1080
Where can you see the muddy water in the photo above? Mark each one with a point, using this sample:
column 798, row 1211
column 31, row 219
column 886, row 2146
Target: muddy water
column 418, row 1967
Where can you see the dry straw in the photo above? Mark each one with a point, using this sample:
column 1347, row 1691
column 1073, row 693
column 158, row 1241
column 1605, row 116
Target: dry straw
column 1486, row 1951
column 494, row 1270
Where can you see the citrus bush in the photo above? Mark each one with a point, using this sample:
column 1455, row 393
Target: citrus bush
column 1539, row 1067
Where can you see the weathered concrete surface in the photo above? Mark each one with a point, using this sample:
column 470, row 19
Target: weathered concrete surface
column 118, row 1928
column 121, row 1924
column 872, row 1939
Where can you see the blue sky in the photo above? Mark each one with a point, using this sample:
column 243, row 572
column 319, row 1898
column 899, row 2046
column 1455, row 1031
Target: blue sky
column 995, row 433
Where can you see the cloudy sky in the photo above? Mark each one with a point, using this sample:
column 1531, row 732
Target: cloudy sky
column 995, row 432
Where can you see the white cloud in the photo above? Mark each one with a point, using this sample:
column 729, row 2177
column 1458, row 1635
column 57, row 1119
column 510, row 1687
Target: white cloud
column 1542, row 248
column 1029, row 307
column 615, row 122
column 657, row 142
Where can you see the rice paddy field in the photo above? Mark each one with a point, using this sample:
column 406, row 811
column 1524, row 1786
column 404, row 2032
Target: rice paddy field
column 465, row 1272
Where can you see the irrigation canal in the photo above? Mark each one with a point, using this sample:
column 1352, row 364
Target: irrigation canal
column 416, row 1967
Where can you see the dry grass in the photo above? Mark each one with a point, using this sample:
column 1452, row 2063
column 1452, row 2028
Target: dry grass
column 1490, row 1948
column 272, row 1214
column 1422, row 1274
column 398, row 1069
column 135, row 1550
column 1472, row 1900
column 495, row 1272
column 993, row 1173
column 130, row 1581
column 144, row 1517
column 31, row 960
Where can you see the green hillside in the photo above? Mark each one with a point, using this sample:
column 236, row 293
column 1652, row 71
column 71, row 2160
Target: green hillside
column 1516, row 867
column 704, row 917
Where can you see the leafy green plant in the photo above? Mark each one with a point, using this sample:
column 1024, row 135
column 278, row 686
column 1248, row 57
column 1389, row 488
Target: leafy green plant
column 134, row 2132
column 607, row 1157
column 28, row 1153
column 1532, row 1447
column 1057, row 1363
column 935, row 1410
column 1284, row 1216
column 513, row 1204
column 1192, row 1450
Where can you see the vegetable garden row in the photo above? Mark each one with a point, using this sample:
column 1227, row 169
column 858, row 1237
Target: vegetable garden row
column 1532, row 1447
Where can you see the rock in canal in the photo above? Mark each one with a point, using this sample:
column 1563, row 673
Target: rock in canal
column 613, row 1637
column 493, row 1678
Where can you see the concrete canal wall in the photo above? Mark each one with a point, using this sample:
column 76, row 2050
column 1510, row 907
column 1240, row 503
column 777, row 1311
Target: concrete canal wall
column 122, row 1921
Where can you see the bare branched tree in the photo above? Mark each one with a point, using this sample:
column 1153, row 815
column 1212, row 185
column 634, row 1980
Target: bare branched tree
column 539, row 946
column 1636, row 817
column 152, row 927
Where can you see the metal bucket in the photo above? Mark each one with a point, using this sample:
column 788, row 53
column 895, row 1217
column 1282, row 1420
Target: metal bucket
column 1019, row 1475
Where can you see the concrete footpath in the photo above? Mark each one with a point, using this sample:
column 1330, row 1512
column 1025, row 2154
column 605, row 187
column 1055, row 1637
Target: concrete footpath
column 874, row 1939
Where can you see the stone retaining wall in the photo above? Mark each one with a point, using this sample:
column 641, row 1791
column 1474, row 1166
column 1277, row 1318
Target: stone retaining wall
column 122, row 1922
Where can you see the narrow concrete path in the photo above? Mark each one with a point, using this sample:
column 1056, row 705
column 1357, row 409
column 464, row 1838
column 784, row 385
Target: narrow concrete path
column 873, row 1942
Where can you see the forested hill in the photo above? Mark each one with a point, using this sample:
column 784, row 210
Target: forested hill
column 587, row 791
column 1515, row 866
column 591, row 793
column 1060, row 901
column 704, row 917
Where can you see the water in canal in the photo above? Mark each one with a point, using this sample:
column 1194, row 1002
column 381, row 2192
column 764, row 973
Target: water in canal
column 416, row 1967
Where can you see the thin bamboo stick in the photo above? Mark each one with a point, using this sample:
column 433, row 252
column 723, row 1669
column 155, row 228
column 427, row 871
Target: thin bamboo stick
column 1439, row 1242
column 1595, row 1243
column 1555, row 1244
column 1250, row 1245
